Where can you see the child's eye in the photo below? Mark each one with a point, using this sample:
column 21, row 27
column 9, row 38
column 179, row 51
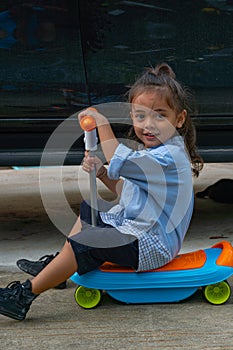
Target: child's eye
column 159, row 117
column 140, row 116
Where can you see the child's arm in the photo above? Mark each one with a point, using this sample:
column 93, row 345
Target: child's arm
column 114, row 186
column 107, row 138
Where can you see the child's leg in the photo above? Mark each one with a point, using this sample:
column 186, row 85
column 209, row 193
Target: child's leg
column 59, row 269
column 76, row 228
column 16, row 298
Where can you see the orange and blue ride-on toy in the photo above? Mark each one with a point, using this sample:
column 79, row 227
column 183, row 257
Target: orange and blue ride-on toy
column 208, row 268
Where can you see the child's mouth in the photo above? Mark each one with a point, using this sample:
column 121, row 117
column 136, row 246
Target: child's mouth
column 150, row 136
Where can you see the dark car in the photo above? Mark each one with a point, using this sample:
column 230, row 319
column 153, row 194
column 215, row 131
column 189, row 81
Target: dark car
column 58, row 57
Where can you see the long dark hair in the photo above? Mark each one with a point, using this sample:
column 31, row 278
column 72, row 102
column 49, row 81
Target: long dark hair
column 178, row 98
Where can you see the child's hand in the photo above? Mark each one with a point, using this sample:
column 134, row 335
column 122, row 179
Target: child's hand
column 106, row 135
column 89, row 163
column 92, row 112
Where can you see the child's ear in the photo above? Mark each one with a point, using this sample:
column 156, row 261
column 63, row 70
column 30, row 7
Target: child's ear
column 181, row 119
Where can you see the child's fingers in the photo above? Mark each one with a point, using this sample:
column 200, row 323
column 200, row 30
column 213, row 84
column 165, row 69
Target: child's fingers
column 100, row 119
column 89, row 163
column 92, row 112
column 87, row 168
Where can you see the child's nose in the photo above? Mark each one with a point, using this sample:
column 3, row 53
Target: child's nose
column 150, row 124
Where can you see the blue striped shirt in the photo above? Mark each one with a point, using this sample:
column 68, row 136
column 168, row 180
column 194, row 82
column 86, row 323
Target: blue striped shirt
column 156, row 202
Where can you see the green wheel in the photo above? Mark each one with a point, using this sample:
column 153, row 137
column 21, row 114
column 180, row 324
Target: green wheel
column 87, row 297
column 217, row 293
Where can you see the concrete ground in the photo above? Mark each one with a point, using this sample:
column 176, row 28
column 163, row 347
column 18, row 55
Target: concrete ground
column 55, row 321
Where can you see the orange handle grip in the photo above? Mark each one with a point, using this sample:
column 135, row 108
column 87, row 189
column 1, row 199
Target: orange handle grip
column 88, row 123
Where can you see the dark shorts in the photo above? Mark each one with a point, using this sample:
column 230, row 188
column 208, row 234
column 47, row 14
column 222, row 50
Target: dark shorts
column 95, row 245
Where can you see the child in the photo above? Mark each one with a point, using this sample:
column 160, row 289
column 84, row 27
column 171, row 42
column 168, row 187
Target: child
column 146, row 228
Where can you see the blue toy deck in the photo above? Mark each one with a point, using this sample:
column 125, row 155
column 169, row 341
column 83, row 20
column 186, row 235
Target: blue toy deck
column 157, row 286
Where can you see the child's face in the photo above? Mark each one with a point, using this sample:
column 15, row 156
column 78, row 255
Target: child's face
column 153, row 120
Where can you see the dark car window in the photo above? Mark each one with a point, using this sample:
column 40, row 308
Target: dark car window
column 195, row 37
column 41, row 61
column 42, row 45
column 59, row 56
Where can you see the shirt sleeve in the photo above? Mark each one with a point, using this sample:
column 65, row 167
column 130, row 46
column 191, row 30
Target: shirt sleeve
column 137, row 166
column 120, row 156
